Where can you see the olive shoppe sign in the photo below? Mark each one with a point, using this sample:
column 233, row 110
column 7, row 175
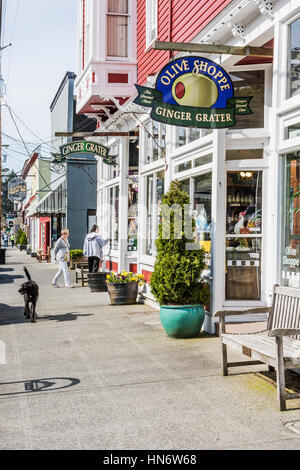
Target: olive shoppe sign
column 84, row 146
column 193, row 92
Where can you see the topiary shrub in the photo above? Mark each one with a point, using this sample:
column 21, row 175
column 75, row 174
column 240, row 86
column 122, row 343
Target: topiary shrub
column 19, row 233
column 177, row 270
column 23, row 239
column 74, row 254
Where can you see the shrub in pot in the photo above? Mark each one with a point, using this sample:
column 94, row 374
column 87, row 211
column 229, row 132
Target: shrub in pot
column 19, row 233
column 23, row 241
column 123, row 287
column 76, row 255
column 175, row 281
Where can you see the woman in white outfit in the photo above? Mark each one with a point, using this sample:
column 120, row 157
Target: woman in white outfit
column 62, row 255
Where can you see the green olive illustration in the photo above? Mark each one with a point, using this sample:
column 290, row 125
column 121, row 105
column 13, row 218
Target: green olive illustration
column 194, row 90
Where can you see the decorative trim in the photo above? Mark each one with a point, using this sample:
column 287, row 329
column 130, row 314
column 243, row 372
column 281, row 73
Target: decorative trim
column 265, row 7
column 237, row 30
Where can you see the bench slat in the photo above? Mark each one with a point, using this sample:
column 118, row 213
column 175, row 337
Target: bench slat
column 262, row 344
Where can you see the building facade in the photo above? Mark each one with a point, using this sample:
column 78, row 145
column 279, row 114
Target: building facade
column 69, row 199
column 243, row 181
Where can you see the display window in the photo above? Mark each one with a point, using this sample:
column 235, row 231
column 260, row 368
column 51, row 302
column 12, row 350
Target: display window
column 250, row 83
column 155, row 141
column 185, row 135
column 293, row 83
column 290, row 221
column 243, row 235
column 114, row 171
column 133, row 188
column 155, row 190
column 113, row 217
column 199, row 188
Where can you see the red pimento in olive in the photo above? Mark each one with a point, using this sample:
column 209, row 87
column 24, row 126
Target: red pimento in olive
column 179, row 90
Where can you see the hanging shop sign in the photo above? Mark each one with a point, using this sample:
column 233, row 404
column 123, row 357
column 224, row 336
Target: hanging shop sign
column 17, row 190
column 193, row 92
column 84, row 146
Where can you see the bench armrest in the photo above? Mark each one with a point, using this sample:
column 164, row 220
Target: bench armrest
column 285, row 332
column 225, row 313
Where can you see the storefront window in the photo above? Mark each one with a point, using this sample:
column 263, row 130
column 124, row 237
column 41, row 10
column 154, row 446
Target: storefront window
column 292, row 132
column 133, row 214
column 186, row 185
column 114, row 171
column 113, row 217
column 155, row 191
column 250, row 83
column 294, row 59
column 244, row 154
column 185, row 135
column 244, row 231
column 149, row 241
column 290, row 216
column 183, row 166
column 155, row 141
column 202, row 213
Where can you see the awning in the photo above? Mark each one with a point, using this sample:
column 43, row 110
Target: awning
column 53, row 203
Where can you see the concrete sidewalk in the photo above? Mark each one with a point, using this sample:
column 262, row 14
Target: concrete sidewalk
column 88, row 375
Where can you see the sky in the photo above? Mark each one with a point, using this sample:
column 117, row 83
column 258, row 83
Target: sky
column 43, row 34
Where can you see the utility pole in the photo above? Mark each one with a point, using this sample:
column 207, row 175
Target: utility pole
column 1, row 94
column 1, row 19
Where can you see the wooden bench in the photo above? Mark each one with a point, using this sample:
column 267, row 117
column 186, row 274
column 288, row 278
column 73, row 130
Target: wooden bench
column 278, row 346
column 81, row 270
column 41, row 256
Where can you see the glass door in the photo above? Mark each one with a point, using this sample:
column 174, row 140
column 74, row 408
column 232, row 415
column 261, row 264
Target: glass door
column 243, row 235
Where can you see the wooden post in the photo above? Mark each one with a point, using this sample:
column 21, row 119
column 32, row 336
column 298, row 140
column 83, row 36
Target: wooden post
column 280, row 374
column 223, row 347
column 213, row 49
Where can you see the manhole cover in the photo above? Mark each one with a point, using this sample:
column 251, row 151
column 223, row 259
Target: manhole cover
column 293, row 426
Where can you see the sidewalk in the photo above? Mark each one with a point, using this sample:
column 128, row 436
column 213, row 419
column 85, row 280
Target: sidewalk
column 88, row 375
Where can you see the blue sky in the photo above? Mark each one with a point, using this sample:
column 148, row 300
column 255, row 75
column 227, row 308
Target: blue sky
column 44, row 37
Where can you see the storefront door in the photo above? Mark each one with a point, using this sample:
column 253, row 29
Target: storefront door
column 243, row 235
column 290, row 221
column 44, row 234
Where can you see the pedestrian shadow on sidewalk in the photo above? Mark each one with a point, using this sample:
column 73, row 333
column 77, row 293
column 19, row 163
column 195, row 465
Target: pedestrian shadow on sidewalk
column 40, row 385
column 8, row 278
column 65, row 316
column 14, row 315
column 11, row 315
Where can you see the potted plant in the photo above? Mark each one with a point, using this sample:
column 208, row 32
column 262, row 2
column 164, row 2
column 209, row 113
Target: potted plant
column 123, row 287
column 97, row 281
column 75, row 256
column 19, row 233
column 23, row 241
column 175, row 281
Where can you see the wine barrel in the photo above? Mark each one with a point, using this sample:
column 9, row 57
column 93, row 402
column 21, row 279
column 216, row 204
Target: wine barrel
column 97, row 282
column 123, row 293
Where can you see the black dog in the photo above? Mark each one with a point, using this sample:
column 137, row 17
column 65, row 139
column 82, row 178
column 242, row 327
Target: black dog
column 30, row 290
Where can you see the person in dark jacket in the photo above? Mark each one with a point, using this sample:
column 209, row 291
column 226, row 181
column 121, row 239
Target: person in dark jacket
column 92, row 248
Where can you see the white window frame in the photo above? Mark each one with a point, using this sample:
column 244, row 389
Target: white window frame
column 152, row 143
column 128, row 15
column 151, row 22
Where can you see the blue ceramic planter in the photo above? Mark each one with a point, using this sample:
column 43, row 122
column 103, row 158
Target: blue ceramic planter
column 182, row 321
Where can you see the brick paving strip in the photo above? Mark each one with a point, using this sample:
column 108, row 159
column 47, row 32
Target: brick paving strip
column 88, row 375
